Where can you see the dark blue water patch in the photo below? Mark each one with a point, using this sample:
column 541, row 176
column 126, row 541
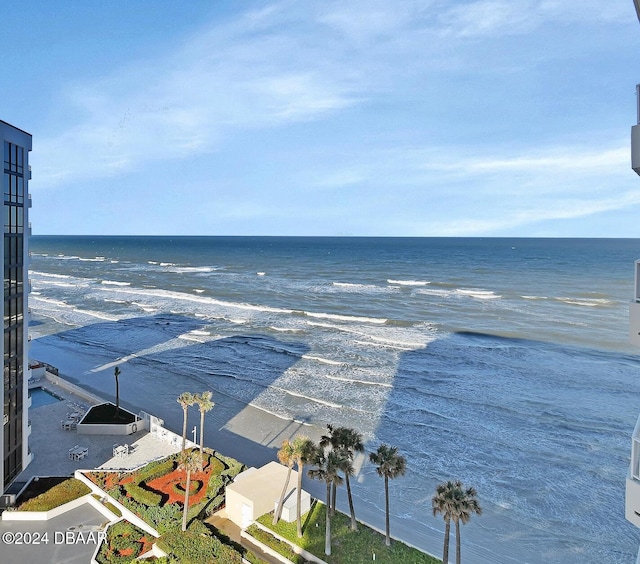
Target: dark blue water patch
column 40, row 396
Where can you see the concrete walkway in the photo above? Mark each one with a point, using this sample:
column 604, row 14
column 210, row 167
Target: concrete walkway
column 219, row 521
column 50, row 444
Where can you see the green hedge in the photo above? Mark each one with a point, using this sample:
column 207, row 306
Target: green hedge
column 156, row 469
column 58, row 495
column 143, row 496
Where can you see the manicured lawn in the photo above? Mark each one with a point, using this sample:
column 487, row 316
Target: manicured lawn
column 354, row 547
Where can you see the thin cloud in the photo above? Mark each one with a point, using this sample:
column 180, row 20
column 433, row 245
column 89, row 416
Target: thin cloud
column 184, row 103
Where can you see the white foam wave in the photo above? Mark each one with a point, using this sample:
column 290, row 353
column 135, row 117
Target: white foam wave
column 409, row 282
column 594, row 302
column 285, row 329
column 144, row 307
column 186, row 269
column 115, row 301
column 98, row 314
column 354, row 381
column 198, row 290
column 435, row 292
column 367, row 288
column 50, row 301
column 351, row 318
column 56, row 284
column 115, row 283
column 322, row 360
column 49, row 275
column 310, row 398
column 260, row 273
column 534, row 297
column 478, row 294
column 94, row 259
column 461, row 292
column 168, row 294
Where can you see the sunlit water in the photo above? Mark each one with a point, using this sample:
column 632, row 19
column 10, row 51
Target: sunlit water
column 501, row 362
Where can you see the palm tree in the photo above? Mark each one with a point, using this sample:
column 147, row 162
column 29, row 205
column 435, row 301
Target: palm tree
column 390, row 465
column 285, row 456
column 116, row 373
column 456, row 504
column 190, row 461
column 327, row 467
column 332, row 440
column 303, row 452
column 204, row 404
column 185, row 399
column 348, row 441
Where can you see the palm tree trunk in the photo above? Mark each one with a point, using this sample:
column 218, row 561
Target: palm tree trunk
column 299, row 500
column 445, row 552
column 278, row 512
column 117, row 396
column 457, row 542
column 333, row 498
column 201, row 431
column 186, row 501
column 184, row 428
column 354, row 523
column 327, row 534
column 387, row 540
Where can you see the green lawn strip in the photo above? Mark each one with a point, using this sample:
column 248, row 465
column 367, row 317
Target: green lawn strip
column 272, row 542
column 58, row 495
column 350, row 546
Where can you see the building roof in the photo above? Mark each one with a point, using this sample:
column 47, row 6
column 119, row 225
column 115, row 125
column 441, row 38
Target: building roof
column 259, row 481
column 14, row 127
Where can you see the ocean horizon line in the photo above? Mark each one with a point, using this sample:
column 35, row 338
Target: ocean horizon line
column 403, row 237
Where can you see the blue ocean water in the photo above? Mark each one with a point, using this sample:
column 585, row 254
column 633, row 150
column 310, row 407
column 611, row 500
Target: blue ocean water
column 501, row 362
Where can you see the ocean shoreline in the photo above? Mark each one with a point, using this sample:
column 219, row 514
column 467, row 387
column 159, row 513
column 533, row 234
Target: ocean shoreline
column 253, row 437
column 538, row 420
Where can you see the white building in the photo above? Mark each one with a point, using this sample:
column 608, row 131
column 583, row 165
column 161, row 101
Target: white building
column 257, row 491
column 15, row 253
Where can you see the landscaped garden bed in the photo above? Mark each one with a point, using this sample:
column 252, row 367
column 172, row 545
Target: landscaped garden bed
column 124, row 543
column 156, row 494
column 62, row 492
column 355, row 547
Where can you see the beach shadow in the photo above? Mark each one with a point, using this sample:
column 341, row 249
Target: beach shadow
column 162, row 356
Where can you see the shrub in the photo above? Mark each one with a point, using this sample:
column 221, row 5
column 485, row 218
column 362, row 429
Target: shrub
column 191, row 547
column 194, row 487
column 143, row 496
column 124, row 543
column 156, row 469
column 58, row 495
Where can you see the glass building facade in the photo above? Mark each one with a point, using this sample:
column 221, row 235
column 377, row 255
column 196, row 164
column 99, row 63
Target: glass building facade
column 15, row 449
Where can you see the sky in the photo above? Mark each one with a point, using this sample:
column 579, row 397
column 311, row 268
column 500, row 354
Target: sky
column 346, row 117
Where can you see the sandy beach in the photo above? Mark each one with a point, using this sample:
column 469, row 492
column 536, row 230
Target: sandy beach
column 246, row 433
